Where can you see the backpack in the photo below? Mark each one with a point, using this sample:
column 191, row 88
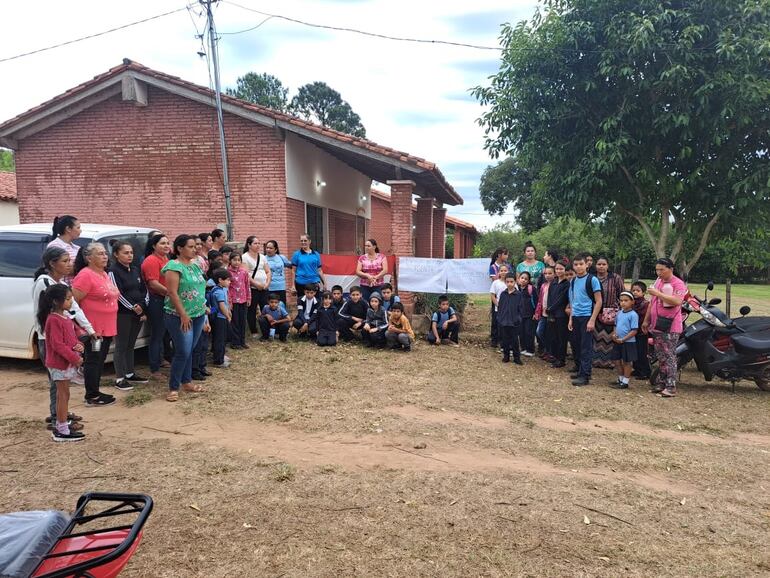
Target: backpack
column 589, row 284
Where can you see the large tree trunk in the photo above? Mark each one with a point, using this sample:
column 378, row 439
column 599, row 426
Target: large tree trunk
column 637, row 269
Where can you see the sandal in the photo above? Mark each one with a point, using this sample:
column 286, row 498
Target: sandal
column 192, row 388
column 668, row 392
column 172, row 396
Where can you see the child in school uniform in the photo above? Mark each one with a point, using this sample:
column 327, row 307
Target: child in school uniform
column 509, row 319
column 338, row 298
column 306, row 306
column 642, row 368
column 444, row 325
column 221, row 316
column 624, row 336
column 62, row 354
column 239, row 295
column 542, row 327
column 275, row 319
column 376, row 323
column 399, row 334
column 497, row 287
column 325, row 318
column 352, row 314
column 528, row 303
column 388, row 298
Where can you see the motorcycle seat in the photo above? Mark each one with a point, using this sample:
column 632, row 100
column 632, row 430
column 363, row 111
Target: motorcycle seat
column 752, row 342
column 25, row 537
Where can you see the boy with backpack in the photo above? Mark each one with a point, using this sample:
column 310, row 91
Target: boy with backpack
column 585, row 300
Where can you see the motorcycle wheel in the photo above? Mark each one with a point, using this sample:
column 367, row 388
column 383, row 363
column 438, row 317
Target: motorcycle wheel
column 763, row 380
column 654, row 376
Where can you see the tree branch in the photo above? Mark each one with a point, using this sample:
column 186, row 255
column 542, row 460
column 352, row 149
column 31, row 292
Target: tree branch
column 703, row 242
column 632, row 182
column 645, row 227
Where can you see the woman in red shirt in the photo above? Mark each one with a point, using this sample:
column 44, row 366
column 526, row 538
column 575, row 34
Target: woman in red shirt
column 155, row 258
column 98, row 298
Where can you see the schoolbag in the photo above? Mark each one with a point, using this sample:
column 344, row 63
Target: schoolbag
column 589, row 284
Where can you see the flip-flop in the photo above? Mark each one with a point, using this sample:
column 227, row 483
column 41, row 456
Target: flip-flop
column 172, row 396
column 667, row 393
column 193, row 388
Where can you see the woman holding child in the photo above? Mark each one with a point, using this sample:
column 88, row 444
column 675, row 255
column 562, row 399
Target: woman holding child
column 612, row 286
column 372, row 267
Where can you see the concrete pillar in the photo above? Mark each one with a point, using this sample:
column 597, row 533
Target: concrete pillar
column 439, row 232
column 424, row 228
column 401, row 217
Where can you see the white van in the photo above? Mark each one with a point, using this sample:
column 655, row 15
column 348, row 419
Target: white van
column 21, row 250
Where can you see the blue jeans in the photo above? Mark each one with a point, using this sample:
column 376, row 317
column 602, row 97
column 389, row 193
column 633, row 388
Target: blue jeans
column 584, row 344
column 540, row 332
column 184, row 343
column 155, row 317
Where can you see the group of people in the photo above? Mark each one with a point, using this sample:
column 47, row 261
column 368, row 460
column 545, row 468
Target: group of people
column 581, row 303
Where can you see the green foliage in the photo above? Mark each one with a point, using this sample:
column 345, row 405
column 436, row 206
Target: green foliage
column 570, row 236
column 507, row 183
column 501, row 235
column 449, row 245
column 651, row 112
column 264, row 89
column 318, row 102
column 427, row 303
column 7, row 162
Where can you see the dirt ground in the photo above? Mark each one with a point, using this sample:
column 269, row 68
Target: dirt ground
column 302, row 461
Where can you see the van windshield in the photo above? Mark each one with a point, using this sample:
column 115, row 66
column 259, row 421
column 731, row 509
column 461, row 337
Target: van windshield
column 20, row 254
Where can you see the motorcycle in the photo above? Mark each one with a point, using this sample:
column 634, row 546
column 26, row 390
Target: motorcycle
column 51, row 544
column 730, row 349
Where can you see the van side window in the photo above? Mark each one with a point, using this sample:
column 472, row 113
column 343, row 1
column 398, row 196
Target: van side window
column 138, row 243
column 20, row 255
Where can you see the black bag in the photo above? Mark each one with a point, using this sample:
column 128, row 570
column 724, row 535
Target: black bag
column 663, row 324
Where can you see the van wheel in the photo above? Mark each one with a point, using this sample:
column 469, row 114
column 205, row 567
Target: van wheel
column 763, row 380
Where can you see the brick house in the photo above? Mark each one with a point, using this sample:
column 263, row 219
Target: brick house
column 465, row 233
column 9, row 206
column 137, row 146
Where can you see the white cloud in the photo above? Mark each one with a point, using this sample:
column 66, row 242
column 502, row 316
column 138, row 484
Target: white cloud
column 411, row 97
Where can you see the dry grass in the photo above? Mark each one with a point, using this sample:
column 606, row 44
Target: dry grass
column 306, row 461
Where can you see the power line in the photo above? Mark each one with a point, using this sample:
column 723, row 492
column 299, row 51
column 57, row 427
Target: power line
column 74, row 40
column 354, row 30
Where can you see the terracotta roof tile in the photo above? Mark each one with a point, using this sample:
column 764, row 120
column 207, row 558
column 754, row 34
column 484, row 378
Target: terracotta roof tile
column 8, row 187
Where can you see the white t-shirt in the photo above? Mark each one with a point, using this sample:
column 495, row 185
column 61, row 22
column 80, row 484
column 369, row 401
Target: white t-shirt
column 498, row 286
column 250, row 263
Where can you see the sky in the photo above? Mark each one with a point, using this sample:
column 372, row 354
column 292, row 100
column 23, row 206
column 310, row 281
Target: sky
column 411, row 97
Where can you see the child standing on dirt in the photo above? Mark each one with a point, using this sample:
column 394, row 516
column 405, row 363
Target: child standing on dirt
column 221, row 316
column 624, row 336
column 498, row 286
column 509, row 319
column 528, row 324
column 62, row 354
column 642, row 364
column 325, row 318
column 239, row 294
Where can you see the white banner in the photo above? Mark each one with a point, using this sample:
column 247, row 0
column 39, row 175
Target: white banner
column 468, row 276
column 423, row 275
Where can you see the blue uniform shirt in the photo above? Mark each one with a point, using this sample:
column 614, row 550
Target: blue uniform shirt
column 581, row 303
column 625, row 322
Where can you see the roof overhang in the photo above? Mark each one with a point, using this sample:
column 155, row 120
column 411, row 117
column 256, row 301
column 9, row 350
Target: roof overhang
column 130, row 80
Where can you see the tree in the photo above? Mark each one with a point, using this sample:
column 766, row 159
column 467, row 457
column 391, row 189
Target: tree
column 655, row 113
column 6, row 161
column 318, row 102
column 507, row 183
column 264, row 89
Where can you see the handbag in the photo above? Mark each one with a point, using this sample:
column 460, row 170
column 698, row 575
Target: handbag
column 663, row 324
column 608, row 315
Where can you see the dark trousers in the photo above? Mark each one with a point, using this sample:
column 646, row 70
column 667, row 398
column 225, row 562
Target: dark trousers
column 157, row 331
column 560, row 335
column 584, row 346
column 200, row 351
column 642, row 363
column 282, row 329
column 93, row 366
column 238, row 325
column 326, row 338
column 494, row 332
column 509, row 340
column 452, row 332
column 123, row 356
column 219, row 332
column 344, row 325
column 299, row 322
column 258, row 301
column 527, row 336
column 376, row 339
column 366, row 292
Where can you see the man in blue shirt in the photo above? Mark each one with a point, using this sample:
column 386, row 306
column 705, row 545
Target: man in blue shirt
column 585, row 303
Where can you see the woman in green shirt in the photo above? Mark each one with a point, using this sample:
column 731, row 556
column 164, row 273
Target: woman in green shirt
column 530, row 264
column 184, row 313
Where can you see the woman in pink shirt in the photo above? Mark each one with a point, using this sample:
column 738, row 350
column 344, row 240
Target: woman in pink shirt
column 371, row 268
column 664, row 321
column 98, row 298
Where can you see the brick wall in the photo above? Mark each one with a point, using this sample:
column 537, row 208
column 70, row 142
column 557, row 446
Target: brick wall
column 156, row 166
column 380, row 225
column 342, row 233
column 439, row 233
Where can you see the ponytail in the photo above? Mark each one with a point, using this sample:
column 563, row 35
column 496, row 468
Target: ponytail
column 55, row 295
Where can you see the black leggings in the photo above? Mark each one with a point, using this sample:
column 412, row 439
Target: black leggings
column 258, row 301
column 93, row 366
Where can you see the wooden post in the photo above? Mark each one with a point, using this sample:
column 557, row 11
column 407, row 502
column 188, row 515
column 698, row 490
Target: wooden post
column 728, row 290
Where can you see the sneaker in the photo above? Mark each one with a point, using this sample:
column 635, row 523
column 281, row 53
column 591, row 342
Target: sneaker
column 72, row 436
column 224, row 365
column 254, row 335
column 100, row 401
column 518, row 361
column 198, row 377
column 70, row 417
column 136, row 378
column 123, row 385
column 406, row 348
column 558, row 364
column 527, row 354
column 445, row 342
column 206, row 373
column 579, row 381
column 506, row 358
column 619, row 385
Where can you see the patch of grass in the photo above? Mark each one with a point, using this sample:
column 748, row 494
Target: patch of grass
column 283, row 472
column 138, row 397
column 219, row 469
column 280, row 416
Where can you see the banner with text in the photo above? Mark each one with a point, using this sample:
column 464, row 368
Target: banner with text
column 443, row 275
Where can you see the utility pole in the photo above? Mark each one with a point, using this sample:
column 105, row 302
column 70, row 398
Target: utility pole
column 220, row 120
